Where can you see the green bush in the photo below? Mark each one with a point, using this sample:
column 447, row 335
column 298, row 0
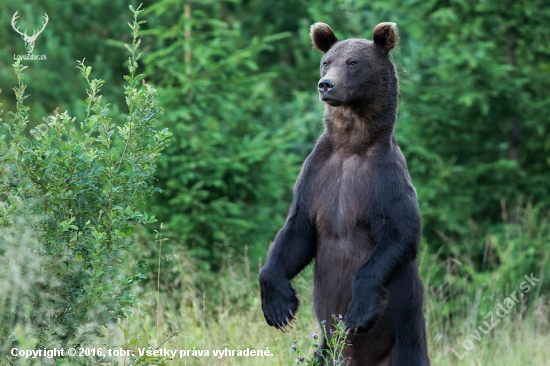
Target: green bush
column 70, row 196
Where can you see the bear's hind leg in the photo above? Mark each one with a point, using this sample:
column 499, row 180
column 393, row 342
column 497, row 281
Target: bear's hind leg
column 408, row 326
column 410, row 342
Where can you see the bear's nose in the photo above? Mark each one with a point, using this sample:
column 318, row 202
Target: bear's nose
column 325, row 85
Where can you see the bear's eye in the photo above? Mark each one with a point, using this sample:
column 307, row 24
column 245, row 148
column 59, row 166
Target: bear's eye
column 353, row 63
column 325, row 64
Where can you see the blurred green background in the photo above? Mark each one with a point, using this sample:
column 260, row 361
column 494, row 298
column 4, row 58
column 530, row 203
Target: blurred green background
column 237, row 80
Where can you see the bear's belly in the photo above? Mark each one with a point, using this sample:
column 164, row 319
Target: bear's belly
column 336, row 262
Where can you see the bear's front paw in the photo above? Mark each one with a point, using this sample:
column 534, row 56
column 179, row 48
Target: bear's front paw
column 279, row 302
column 364, row 310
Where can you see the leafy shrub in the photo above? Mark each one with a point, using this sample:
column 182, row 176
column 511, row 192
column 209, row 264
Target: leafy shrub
column 70, row 195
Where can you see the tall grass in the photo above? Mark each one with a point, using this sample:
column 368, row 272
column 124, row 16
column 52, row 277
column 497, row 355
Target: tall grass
column 183, row 307
column 223, row 311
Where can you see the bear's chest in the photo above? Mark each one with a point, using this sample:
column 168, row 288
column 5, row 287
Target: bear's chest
column 339, row 196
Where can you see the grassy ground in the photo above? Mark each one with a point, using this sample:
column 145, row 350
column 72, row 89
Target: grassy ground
column 227, row 315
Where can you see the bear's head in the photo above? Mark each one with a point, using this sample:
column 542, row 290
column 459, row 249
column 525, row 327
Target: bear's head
column 356, row 71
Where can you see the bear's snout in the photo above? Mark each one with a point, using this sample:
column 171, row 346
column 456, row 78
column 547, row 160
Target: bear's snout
column 326, row 86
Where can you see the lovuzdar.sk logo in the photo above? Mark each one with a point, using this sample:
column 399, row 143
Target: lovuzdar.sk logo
column 29, row 40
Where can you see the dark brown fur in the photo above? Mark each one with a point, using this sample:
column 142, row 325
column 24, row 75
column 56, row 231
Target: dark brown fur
column 322, row 37
column 355, row 212
column 386, row 34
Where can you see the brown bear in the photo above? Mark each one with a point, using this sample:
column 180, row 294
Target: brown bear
column 355, row 212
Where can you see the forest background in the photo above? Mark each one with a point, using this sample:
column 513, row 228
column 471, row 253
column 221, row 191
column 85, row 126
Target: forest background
column 237, row 82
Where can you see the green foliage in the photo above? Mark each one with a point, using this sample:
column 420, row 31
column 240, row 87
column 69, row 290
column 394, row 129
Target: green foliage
column 469, row 290
column 75, row 30
column 75, row 191
column 228, row 168
column 474, row 118
column 237, row 79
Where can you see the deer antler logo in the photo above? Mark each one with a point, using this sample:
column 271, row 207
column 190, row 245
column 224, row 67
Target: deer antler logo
column 29, row 40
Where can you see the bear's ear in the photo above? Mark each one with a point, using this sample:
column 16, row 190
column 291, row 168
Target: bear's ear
column 385, row 35
column 322, row 36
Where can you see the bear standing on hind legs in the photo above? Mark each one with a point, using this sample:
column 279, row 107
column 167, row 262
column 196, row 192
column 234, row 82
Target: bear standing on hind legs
column 355, row 212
